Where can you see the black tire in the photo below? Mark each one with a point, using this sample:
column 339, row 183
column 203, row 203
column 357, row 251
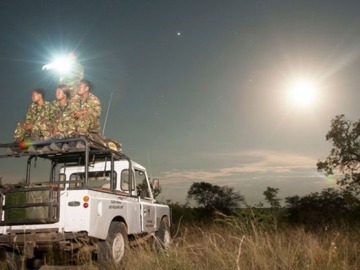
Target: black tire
column 113, row 250
column 163, row 236
column 34, row 263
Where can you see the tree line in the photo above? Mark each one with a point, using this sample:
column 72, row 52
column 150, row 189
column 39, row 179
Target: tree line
column 330, row 206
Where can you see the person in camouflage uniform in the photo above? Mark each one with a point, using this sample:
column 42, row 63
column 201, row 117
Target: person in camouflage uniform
column 73, row 76
column 37, row 125
column 62, row 114
column 87, row 109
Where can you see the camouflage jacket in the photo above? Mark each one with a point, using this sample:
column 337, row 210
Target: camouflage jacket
column 93, row 105
column 63, row 118
column 58, row 113
column 37, row 113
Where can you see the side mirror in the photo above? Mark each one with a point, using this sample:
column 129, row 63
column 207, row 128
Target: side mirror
column 155, row 183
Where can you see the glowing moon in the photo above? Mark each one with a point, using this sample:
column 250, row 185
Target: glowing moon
column 303, row 92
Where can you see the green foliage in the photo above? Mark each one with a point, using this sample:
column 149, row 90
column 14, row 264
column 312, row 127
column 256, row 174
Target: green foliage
column 264, row 218
column 215, row 198
column 331, row 206
column 271, row 197
column 181, row 212
column 345, row 154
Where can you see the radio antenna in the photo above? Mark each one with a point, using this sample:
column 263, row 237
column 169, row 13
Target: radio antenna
column 107, row 113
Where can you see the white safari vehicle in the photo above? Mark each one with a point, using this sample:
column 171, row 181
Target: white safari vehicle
column 75, row 204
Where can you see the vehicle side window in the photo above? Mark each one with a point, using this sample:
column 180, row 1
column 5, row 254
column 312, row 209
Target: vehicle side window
column 142, row 184
column 98, row 179
column 62, row 178
column 76, row 177
column 125, row 180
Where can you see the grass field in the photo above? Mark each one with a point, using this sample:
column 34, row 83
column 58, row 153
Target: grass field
column 233, row 246
column 230, row 244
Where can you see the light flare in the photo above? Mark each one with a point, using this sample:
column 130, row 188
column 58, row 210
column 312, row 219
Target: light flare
column 61, row 65
column 303, row 92
column 25, row 144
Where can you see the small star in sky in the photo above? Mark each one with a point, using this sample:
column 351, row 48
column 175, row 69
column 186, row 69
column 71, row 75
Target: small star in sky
column 179, row 33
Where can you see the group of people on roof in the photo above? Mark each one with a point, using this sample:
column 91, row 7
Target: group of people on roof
column 74, row 112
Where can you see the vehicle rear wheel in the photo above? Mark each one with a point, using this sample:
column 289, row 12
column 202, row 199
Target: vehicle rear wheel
column 113, row 249
column 163, row 237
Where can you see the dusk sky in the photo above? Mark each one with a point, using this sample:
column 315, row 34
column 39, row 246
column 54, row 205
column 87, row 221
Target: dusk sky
column 200, row 89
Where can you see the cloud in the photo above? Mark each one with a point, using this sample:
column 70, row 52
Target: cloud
column 292, row 173
column 251, row 164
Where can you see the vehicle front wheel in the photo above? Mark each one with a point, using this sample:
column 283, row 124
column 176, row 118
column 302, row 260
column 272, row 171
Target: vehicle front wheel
column 113, row 249
column 162, row 236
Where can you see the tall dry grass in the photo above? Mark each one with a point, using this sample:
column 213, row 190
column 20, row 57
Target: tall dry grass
column 230, row 244
column 234, row 246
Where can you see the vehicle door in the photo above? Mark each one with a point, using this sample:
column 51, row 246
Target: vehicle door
column 147, row 207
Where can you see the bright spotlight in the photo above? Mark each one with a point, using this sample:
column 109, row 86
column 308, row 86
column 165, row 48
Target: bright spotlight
column 61, row 65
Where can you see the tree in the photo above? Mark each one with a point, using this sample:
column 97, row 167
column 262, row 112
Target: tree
column 213, row 197
column 345, row 155
column 271, row 197
column 329, row 206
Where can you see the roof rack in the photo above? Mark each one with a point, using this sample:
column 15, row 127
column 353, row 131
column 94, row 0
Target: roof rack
column 91, row 149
